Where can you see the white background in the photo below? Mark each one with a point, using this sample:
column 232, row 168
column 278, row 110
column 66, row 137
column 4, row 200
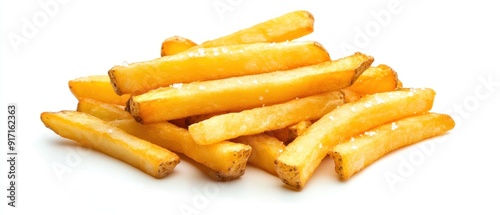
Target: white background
column 449, row 46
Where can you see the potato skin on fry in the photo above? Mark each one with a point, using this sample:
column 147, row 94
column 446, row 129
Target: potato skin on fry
column 360, row 151
column 98, row 134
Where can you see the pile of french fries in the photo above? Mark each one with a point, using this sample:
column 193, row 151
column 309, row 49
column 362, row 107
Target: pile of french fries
column 258, row 96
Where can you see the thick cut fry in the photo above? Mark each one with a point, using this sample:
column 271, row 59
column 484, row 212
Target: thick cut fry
column 175, row 44
column 98, row 134
column 287, row 27
column 102, row 110
column 265, row 149
column 360, row 151
column 375, row 80
column 239, row 93
column 97, row 87
column 202, row 64
column 227, row 159
column 258, row 120
column 302, row 156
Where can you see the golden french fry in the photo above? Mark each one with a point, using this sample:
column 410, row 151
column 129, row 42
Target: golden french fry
column 227, row 159
column 176, row 44
column 98, row 134
column 360, row 151
column 288, row 134
column 265, row 149
column 102, row 110
column 302, row 156
column 375, row 80
column 286, row 27
column 203, row 64
column 239, row 93
column 258, row 120
column 97, row 87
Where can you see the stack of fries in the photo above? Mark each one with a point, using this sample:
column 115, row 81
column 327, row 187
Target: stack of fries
column 258, row 95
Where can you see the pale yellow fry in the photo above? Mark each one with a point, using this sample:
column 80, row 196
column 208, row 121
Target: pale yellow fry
column 240, row 93
column 360, row 151
column 286, row 27
column 98, row 134
column 301, row 157
column 258, row 120
column 102, row 110
column 97, row 87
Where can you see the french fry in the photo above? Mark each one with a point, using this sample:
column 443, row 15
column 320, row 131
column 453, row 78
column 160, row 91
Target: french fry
column 265, row 149
column 98, row 134
column 239, row 93
column 258, row 120
column 227, row 159
column 288, row 134
column 97, row 87
column 302, row 156
column 286, row 27
column 176, row 44
column 375, row 80
column 102, row 110
column 360, row 151
column 203, row 64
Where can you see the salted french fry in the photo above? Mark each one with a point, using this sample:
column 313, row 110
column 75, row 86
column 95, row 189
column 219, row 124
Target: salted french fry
column 265, row 149
column 227, row 159
column 102, row 110
column 97, row 87
column 261, row 119
column 302, row 156
column 286, row 27
column 98, row 134
column 360, row 151
column 375, row 80
column 203, row 64
column 240, row 93
column 176, row 44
